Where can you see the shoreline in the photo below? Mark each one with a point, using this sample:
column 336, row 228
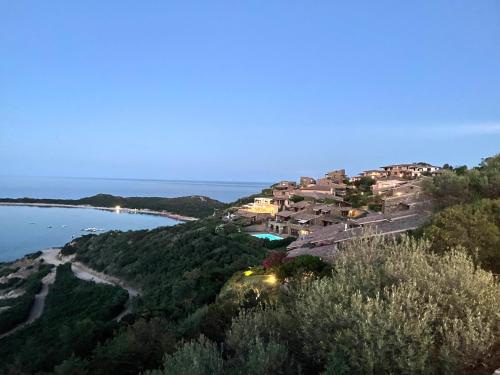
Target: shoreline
column 143, row 211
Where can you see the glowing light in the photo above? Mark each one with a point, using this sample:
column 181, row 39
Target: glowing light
column 271, row 279
column 117, row 208
column 248, row 273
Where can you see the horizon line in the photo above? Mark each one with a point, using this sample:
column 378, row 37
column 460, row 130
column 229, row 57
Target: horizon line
column 141, row 179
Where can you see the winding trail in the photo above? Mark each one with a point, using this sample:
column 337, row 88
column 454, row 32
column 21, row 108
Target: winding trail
column 38, row 304
column 81, row 271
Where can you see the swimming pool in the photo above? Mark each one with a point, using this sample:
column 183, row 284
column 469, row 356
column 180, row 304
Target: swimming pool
column 268, row 236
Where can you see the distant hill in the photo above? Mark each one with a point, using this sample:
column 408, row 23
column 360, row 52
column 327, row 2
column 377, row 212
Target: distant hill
column 193, row 206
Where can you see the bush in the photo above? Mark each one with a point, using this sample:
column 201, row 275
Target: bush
column 464, row 186
column 76, row 316
column 389, row 307
column 474, row 227
column 296, row 198
column 302, row 266
column 259, row 357
column 200, row 357
column 274, row 259
column 20, row 307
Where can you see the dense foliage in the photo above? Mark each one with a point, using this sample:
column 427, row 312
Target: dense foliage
column 389, row 307
column 19, row 308
column 456, row 186
column 77, row 315
column 468, row 212
column 474, row 227
column 361, row 194
column 179, row 268
column 396, row 306
column 193, row 206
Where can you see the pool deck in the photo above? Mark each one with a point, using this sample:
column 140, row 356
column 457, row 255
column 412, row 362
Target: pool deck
column 269, row 236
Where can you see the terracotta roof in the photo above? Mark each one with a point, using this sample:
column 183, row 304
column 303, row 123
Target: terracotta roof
column 315, row 195
column 370, row 218
column 317, row 188
column 301, row 204
column 247, row 214
column 338, row 233
column 330, row 218
column 285, row 213
column 326, row 253
column 304, row 216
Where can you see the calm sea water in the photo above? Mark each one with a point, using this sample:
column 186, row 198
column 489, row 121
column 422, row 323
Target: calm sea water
column 73, row 188
column 27, row 229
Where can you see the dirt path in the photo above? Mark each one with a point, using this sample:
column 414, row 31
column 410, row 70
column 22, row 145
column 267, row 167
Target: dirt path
column 38, row 304
column 81, row 271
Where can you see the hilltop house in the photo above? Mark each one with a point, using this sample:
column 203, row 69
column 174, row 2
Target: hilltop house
column 261, row 205
column 413, row 170
column 374, row 173
column 326, row 241
column 385, row 185
column 307, row 181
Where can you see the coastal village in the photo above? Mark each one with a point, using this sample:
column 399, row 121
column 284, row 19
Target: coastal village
column 325, row 212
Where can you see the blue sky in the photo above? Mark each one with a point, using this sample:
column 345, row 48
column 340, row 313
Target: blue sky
column 245, row 90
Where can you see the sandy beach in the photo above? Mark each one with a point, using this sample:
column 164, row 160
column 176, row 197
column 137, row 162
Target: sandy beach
column 121, row 209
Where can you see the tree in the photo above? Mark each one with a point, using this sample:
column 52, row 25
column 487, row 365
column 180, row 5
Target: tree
column 72, row 366
column 200, row 357
column 463, row 185
column 391, row 306
column 296, row 198
column 474, row 226
column 303, row 265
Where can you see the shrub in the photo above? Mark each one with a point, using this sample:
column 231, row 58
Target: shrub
column 303, row 265
column 389, row 307
column 200, row 357
column 274, row 259
column 475, row 227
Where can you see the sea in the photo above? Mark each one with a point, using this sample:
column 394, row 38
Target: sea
column 25, row 229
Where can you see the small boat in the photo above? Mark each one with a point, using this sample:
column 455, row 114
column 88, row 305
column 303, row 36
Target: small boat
column 90, row 229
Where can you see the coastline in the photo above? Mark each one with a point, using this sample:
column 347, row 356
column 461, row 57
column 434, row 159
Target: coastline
column 143, row 211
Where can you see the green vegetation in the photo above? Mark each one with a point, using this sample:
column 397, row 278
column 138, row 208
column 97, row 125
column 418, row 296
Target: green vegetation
column 464, row 186
column 19, row 308
column 219, row 301
column 362, row 195
column 468, row 212
column 5, row 271
column 388, row 307
column 193, row 206
column 179, row 268
column 474, row 227
column 296, row 198
column 77, row 315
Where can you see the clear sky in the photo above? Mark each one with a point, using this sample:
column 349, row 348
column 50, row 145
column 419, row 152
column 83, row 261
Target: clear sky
column 245, row 90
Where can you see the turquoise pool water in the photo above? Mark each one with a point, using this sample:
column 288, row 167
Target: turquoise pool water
column 268, row 236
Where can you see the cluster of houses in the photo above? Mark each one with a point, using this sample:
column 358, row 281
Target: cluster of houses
column 316, row 212
column 413, row 170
